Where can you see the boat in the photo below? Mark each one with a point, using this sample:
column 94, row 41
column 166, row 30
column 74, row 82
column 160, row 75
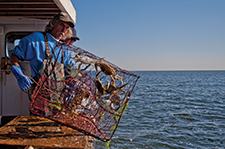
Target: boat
column 18, row 19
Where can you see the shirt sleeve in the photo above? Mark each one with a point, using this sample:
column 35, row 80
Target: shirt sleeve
column 30, row 47
column 21, row 49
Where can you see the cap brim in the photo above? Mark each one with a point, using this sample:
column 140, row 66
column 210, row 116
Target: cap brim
column 65, row 18
column 70, row 23
column 76, row 38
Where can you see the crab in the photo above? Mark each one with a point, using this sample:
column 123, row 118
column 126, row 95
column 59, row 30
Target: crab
column 83, row 60
column 109, row 88
column 73, row 72
column 111, row 104
column 99, row 86
column 106, row 69
column 112, row 89
column 76, row 100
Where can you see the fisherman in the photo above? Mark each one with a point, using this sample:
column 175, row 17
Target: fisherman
column 37, row 47
column 74, row 37
column 71, row 37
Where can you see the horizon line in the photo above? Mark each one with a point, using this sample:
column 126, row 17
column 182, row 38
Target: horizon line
column 182, row 70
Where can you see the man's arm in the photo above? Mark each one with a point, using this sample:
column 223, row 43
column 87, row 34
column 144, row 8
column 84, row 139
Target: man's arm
column 14, row 60
column 24, row 82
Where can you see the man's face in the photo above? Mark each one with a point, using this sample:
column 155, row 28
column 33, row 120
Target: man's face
column 59, row 29
column 71, row 43
column 67, row 41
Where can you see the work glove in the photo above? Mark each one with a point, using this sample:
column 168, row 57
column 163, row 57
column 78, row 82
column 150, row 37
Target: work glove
column 23, row 81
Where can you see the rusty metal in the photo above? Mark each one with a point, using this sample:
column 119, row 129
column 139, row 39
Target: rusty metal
column 3, row 62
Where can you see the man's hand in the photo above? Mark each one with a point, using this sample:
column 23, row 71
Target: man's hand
column 23, row 81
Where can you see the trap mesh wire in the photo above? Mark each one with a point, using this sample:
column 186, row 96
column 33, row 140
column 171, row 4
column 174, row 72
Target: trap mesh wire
column 91, row 98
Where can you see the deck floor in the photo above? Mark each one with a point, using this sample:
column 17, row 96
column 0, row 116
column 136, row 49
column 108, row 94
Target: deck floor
column 42, row 133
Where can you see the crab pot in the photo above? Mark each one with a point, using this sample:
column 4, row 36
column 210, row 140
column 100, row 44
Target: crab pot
column 90, row 98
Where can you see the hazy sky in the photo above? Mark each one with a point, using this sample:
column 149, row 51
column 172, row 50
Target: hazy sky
column 154, row 34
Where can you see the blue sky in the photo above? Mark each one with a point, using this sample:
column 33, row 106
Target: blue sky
column 154, row 34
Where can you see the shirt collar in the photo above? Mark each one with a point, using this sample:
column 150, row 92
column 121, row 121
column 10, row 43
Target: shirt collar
column 52, row 38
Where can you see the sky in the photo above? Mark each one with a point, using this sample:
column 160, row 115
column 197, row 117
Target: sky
column 154, row 35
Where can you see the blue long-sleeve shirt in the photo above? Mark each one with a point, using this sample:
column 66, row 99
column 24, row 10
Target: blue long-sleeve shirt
column 32, row 48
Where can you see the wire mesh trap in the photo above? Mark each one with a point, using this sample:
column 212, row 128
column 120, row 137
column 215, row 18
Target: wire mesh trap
column 90, row 98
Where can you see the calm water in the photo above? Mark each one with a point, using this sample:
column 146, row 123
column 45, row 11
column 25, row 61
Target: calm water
column 174, row 109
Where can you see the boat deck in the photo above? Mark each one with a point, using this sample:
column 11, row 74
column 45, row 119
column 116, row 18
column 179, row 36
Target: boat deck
column 41, row 132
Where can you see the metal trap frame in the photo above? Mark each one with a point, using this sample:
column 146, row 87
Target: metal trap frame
column 90, row 98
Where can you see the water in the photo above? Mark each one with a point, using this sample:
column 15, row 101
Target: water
column 174, row 110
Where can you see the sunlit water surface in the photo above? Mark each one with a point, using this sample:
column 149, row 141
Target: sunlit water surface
column 174, row 109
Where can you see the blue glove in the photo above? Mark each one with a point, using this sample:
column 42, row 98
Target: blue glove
column 23, row 81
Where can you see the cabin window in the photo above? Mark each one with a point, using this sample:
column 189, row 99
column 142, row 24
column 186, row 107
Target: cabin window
column 12, row 39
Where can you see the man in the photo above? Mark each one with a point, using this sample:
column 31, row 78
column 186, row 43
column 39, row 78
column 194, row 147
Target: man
column 74, row 37
column 71, row 37
column 33, row 47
